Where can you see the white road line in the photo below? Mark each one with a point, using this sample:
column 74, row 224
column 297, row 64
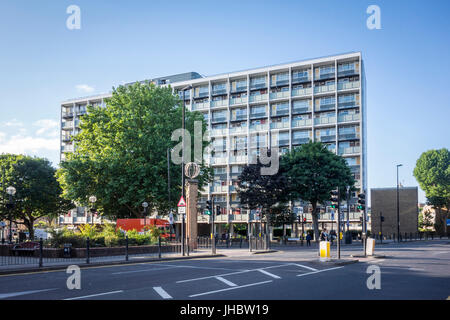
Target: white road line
column 94, row 295
column 306, row 267
column 227, row 289
column 144, row 270
column 21, row 293
column 306, row 274
column 231, row 284
column 192, row 267
column 162, row 293
column 269, row 274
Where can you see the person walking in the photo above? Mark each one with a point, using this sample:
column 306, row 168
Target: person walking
column 308, row 240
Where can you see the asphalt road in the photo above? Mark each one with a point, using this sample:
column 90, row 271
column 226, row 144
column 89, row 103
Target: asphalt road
column 416, row 270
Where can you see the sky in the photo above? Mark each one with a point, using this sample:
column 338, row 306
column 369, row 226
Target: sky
column 407, row 63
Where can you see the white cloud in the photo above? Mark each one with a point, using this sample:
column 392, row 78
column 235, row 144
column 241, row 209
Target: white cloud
column 13, row 123
column 84, row 88
column 47, row 127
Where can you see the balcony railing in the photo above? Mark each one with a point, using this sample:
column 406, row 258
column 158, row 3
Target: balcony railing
column 238, row 130
column 221, row 189
column 324, row 120
column 348, row 117
column 219, row 132
column 349, row 72
column 279, row 125
column 219, row 103
column 200, row 106
column 202, row 94
column 349, row 104
column 242, row 159
column 329, row 138
column 255, row 86
column 218, row 92
column 258, row 115
column 279, row 95
column 348, row 85
column 281, row 82
column 348, row 136
column 215, row 160
column 300, row 79
column 241, row 100
column 349, row 150
column 301, row 92
column 218, row 119
column 301, row 110
column 325, row 107
column 301, row 123
column 300, row 140
column 67, row 125
column 239, row 89
column 67, row 148
column 258, row 127
column 258, row 97
column 67, row 114
column 280, row 112
column 239, row 117
column 326, row 88
column 327, row 75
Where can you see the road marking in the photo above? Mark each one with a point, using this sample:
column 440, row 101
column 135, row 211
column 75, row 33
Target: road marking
column 162, row 293
column 94, row 295
column 21, row 293
column 227, row 289
column 231, row 284
column 306, row 267
column 194, row 267
column 144, row 270
column 269, row 274
column 416, row 269
column 306, row 274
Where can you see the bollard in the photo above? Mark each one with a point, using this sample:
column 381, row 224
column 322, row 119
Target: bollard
column 41, row 252
column 87, row 250
column 159, row 247
column 188, row 245
column 126, row 248
column 250, row 243
column 240, row 243
column 324, row 250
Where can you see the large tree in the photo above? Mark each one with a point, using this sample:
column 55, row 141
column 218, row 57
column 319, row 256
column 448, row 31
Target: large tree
column 121, row 152
column 432, row 171
column 38, row 193
column 312, row 172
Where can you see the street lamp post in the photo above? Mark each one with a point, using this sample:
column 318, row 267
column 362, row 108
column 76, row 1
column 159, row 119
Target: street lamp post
column 189, row 87
column 11, row 191
column 398, row 209
column 92, row 200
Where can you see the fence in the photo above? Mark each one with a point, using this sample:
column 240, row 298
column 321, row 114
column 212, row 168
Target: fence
column 40, row 254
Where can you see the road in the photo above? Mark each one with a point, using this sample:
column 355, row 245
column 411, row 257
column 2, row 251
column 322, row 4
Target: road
column 416, row 270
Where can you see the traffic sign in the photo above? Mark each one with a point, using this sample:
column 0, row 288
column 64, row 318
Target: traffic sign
column 182, row 210
column 181, row 203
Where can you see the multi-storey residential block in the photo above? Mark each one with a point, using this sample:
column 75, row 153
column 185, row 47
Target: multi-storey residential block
column 282, row 106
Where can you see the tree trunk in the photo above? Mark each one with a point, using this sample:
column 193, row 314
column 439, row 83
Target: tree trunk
column 315, row 222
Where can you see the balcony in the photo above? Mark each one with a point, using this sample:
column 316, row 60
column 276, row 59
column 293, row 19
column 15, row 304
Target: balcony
column 348, row 85
column 300, row 140
column 348, row 117
column 258, row 127
column 348, row 104
column 241, row 100
column 325, row 107
column 255, row 86
column 302, row 109
column 81, row 112
column 67, row 125
column 258, row 115
column 301, row 92
column 279, row 125
column 215, row 160
column 77, row 123
column 327, row 138
column 301, row 123
column 219, row 103
column 238, row 130
column 349, row 136
column 349, row 150
column 348, row 72
column 258, row 97
column 200, row 106
column 238, row 159
column 282, row 143
column 218, row 119
column 67, row 114
column 202, row 94
column 220, row 189
column 325, row 88
column 325, row 120
column 218, row 92
column 243, row 217
column 67, row 148
column 296, row 80
column 325, row 75
column 279, row 95
column 239, row 89
column 219, row 132
column 280, row 112
column 279, row 83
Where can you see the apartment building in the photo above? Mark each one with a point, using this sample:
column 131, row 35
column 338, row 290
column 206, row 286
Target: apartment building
column 281, row 106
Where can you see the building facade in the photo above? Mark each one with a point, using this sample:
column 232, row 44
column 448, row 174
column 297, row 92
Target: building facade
column 281, row 106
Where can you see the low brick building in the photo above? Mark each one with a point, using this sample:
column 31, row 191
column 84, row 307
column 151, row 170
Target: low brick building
column 384, row 202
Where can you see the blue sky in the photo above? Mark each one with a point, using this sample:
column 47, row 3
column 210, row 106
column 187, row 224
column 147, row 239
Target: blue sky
column 407, row 61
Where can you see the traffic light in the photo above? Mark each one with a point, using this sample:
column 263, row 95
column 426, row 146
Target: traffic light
column 208, row 207
column 361, row 201
column 217, row 210
column 304, row 220
column 334, row 199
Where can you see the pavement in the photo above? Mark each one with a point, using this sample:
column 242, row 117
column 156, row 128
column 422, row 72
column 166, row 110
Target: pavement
column 415, row 270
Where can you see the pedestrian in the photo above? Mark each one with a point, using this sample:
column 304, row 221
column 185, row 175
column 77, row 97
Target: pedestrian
column 308, row 240
column 324, row 235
